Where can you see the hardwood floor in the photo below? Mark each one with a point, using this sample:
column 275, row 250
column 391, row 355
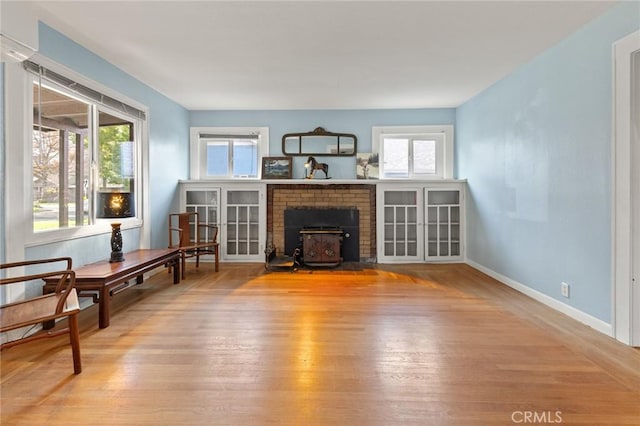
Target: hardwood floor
column 401, row 344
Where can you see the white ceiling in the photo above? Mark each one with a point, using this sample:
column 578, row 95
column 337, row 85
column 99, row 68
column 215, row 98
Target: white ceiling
column 318, row 55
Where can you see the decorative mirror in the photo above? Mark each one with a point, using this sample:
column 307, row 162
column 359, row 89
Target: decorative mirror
column 320, row 142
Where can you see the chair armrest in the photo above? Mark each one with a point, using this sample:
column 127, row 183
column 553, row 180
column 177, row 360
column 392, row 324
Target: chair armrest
column 172, row 230
column 38, row 306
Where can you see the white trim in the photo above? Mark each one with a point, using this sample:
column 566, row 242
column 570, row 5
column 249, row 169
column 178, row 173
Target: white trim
column 621, row 250
column 14, row 177
column 570, row 311
column 16, row 125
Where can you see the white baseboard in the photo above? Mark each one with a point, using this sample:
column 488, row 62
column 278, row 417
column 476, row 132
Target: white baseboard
column 570, row 311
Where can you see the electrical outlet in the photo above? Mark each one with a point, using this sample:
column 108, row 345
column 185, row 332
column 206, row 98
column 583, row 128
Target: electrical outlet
column 564, row 289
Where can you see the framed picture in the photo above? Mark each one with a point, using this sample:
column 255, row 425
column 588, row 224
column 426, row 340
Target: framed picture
column 276, row 168
column 367, row 166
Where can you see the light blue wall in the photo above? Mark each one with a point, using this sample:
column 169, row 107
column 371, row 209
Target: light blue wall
column 358, row 122
column 168, row 146
column 536, row 150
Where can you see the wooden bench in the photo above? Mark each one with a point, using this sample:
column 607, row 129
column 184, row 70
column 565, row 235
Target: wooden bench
column 101, row 280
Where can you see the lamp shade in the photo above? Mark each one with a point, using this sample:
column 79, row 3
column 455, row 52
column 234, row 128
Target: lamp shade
column 113, row 205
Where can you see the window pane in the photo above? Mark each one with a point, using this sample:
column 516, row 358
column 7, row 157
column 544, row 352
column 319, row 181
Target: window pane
column 217, row 158
column 60, row 160
column 115, row 153
column 424, row 156
column 396, row 157
column 245, row 158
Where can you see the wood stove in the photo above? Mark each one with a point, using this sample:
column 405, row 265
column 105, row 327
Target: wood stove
column 342, row 223
column 321, row 246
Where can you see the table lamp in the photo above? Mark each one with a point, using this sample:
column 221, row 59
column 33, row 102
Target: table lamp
column 116, row 205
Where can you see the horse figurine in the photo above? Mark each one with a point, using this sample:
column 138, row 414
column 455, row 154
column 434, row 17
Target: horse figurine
column 314, row 165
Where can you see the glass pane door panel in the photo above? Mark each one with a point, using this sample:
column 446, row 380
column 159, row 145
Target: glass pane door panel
column 444, row 197
column 243, row 233
column 432, row 214
column 388, row 249
column 455, row 214
column 389, row 217
column 388, row 232
column 412, row 213
column 254, row 230
column 443, row 216
column 242, row 247
column 232, row 247
column 444, row 232
column 254, row 215
column 400, row 198
column 212, row 215
column 232, row 216
column 412, row 232
column 455, row 249
column 243, row 197
column 232, row 232
column 243, row 215
column 432, row 233
column 253, row 247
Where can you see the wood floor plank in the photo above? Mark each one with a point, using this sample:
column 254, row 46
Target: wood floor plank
column 389, row 344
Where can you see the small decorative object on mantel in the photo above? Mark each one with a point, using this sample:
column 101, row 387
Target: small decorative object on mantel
column 313, row 166
column 367, row 165
column 276, row 168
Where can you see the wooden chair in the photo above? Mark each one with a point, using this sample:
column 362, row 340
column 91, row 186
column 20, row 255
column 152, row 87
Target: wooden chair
column 36, row 310
column 194, row 239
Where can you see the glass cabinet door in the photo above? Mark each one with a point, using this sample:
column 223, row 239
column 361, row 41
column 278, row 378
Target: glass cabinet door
column 443, row 224
column 401, row 234
column 242, row 226
column 206, row 203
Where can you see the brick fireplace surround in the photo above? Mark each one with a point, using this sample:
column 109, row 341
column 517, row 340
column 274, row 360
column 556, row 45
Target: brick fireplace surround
column 354, row 196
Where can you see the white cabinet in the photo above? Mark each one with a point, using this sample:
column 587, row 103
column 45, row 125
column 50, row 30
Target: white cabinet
column 443, row 219
column 400, row 235
column 243, row 233
column 420, row 223
column 238, row 210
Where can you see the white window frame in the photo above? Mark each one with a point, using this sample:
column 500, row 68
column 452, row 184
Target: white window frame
column 443, row 134
column 20, row 188
column 198, row 155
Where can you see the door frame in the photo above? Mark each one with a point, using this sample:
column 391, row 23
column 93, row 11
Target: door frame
column 625, row 293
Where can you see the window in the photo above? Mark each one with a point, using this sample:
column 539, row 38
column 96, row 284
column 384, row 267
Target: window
column 80, row 146
column 414, row 152
column 227, row 152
